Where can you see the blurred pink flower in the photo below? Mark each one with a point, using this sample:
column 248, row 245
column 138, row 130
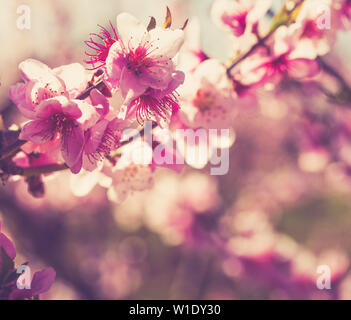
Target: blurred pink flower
column 207, row 97
column 341, row 14
column 284, row 60
column 239, row 16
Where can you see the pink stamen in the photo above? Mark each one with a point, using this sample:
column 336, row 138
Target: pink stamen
column 148, row 107
column 101, row 49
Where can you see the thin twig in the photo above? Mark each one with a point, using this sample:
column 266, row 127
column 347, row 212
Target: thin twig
column 12, row 149
column 260, row 43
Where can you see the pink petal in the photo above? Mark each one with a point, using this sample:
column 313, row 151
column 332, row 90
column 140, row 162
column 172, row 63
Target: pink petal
column 28, row 113
column 114, row 64
column 302, row 68
column 97, row 98
column 17, row 93
column 88, row 114
column 158, row 75
column 72, row 145
column 48, row 107
column 74, row 76
column 38, row 91
column 177, row 80
column 42, row 280
column 72, row 108
column 37, row 131
column 95, row 136
column 131, row 89
column 34, row 70
column 75, row 169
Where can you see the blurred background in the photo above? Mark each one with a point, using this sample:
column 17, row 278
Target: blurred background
column 259, row 232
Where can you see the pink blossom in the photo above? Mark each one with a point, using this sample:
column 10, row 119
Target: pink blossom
column 341, row 14
column 41, row 83
column 283, row 60
column 100, row 140
column 128, row 179
column 207, row 97
column 158, row 105
column 60, row 118
column 239, row 16
column 310, row 37
column 133, row 171
column 141, row 59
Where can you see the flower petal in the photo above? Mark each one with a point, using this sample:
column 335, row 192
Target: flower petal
column 168, row 41
column 42, row 280
column 130, row 30
column 72, row 145
column 74, row 76
column 17, row 93
column 131, row 88
column 98, row 99
column 48, row 107
column 302, row 68
column 32, row 69
column 37, row 131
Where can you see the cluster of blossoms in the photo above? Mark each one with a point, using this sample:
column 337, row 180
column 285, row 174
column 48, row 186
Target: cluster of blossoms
column 11, row 285
column 71, row 119
column 74, row 124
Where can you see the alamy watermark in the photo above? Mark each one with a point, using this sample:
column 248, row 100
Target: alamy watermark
column 324, row 280
column 24, row 20
column 324, row 19
column 24, row 279
column 180, row 146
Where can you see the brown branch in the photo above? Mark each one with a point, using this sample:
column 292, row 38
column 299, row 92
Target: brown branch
column 331, row 71
column 257, row 45
column 38, row 170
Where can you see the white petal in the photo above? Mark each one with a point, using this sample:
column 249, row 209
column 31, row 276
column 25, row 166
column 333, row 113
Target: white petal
column 74, row 76
column 130, row 30
column 168, row 42
column 82, row 183
column 35, row 70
